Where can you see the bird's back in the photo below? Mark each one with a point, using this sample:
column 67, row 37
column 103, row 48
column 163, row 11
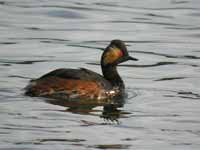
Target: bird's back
column 70, row 84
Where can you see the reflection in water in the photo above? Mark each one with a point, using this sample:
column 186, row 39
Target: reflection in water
column 110, row 110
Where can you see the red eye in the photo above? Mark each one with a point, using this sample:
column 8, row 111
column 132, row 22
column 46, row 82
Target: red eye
column 120, row 53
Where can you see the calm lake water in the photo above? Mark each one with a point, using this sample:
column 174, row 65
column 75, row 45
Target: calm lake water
column 162, row 110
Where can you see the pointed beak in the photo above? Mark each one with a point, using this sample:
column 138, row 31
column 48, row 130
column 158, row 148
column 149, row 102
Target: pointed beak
column 132, row 58
column 123, row 59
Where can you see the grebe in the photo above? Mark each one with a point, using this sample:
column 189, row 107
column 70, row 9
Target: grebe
column 84, row 84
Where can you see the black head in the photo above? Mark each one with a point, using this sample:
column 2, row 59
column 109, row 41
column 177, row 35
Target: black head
column 115, row 53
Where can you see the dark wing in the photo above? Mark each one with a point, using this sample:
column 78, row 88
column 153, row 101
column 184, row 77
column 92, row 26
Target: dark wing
column 78, row 74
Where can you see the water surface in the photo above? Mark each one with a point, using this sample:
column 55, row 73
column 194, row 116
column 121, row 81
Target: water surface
column 162, row 109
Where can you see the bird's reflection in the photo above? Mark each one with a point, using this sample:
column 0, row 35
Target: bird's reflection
column 111, row 112
column 111, row 108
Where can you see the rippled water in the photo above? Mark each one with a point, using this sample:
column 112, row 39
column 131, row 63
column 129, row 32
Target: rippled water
column 163, row 107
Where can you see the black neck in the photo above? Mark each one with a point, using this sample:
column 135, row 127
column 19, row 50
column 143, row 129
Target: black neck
column 111, row 74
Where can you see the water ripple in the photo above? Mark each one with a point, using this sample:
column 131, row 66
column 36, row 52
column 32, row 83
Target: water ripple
column 169, row 78
column 186, row 95
column 163, row 103
column 142, row 66
column 169, row 55
column 149, row 22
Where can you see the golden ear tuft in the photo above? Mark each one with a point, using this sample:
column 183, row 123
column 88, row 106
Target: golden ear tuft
column 112, row 55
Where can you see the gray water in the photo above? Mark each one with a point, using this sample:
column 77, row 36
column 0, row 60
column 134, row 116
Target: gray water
column 162, row 110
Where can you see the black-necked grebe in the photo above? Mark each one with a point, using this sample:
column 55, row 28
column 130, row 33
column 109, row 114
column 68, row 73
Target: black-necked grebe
column 76, row 84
